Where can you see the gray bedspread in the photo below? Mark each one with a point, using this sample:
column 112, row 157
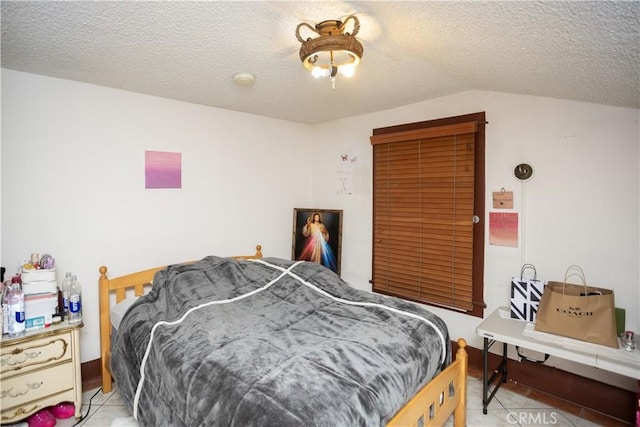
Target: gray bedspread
column 240, row 343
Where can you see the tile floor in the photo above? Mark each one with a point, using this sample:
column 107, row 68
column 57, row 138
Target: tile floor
column 508, row 408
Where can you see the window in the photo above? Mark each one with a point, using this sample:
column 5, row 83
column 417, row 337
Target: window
column 428, row 185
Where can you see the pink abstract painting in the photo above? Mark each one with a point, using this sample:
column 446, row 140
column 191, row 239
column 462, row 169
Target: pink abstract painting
column 503, row 229
column 162, row 169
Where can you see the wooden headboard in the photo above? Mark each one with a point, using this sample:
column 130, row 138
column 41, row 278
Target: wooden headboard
column 120, row 285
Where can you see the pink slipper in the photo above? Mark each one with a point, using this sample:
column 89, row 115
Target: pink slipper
column 42, row 418
column 63, row 410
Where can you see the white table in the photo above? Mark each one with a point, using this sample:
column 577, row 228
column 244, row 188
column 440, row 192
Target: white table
column 499, row 327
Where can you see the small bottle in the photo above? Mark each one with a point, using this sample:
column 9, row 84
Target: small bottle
column 5, row 306
column 15, row 302
column 64, row 287
column 75, row 301
column 35, row 261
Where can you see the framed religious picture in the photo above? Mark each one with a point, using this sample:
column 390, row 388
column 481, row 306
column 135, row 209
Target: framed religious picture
column 317, row 237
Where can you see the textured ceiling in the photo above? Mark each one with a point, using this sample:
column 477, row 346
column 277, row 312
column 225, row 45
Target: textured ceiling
column 413, row 51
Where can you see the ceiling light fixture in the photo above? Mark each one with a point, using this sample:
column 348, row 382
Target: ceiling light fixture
column 334, row 51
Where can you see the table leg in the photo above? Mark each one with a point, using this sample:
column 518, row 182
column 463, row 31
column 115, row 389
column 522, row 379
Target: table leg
column 503, row 365
column 500, row 373
column 485, row 378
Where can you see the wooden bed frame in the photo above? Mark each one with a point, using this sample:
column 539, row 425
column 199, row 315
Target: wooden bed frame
column 442, row 397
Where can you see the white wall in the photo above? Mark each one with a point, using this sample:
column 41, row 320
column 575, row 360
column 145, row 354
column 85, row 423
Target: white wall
column 580, row 207
column 73, row 182
column 83, row 146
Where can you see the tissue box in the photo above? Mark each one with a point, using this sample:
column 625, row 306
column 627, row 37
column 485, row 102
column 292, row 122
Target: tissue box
column 39, row 275
column 39, row 310
column 39, row 281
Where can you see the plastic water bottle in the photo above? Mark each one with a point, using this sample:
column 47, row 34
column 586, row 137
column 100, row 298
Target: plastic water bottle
column 15, row 301
column 5, row 306
column 75, row 301
column 64, row 287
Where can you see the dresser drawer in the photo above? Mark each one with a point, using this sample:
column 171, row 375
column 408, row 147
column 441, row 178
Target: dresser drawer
column 26, row 355
column 16, row 413
column 22, row 389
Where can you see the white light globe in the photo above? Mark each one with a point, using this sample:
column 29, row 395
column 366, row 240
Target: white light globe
column 318, row 72
column 347, row 70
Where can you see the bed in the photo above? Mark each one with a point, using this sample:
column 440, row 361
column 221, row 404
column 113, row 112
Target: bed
column 247, row 340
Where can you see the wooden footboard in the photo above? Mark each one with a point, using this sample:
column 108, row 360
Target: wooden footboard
column 133, row 283
column 443, row 396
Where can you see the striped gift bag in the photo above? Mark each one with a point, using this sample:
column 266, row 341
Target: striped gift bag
column 525, row 295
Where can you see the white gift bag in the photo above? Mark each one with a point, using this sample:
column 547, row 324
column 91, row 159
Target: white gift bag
column 526, row 295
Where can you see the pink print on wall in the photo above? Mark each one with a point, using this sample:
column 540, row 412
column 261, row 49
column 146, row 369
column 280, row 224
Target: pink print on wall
column 503, row 229
column 162, row 169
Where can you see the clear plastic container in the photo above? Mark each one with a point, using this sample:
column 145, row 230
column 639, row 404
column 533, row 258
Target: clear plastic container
column 15, row 306
column 64, row 287
column 75, row 301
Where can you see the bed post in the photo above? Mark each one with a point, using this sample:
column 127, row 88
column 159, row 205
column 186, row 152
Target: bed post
column 434, row 404
column 460, row 414
column 105, row 333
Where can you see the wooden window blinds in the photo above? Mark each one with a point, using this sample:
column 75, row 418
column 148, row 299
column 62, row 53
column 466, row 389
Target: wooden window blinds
column 423, row 214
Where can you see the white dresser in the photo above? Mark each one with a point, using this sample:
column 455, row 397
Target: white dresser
column 40, row 369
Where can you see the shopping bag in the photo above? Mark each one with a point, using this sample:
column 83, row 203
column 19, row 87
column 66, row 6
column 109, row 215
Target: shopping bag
column 525, row 295
column 582, row 312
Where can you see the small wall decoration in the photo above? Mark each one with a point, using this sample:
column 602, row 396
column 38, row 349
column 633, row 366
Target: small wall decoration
column 162, row 169
column 345, row 174
column 317, row 237
column 503, row 199
column 523, row 172
column 503, row 229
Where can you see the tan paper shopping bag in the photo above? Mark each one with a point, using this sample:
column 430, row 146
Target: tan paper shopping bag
column 582, row 312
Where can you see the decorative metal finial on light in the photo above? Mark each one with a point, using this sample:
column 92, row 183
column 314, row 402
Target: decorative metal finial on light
column 334, row 51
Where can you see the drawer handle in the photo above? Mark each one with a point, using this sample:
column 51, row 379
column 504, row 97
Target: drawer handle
column 19, row 412
column 10, row 359
column 30, row 386
column 27, row 355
